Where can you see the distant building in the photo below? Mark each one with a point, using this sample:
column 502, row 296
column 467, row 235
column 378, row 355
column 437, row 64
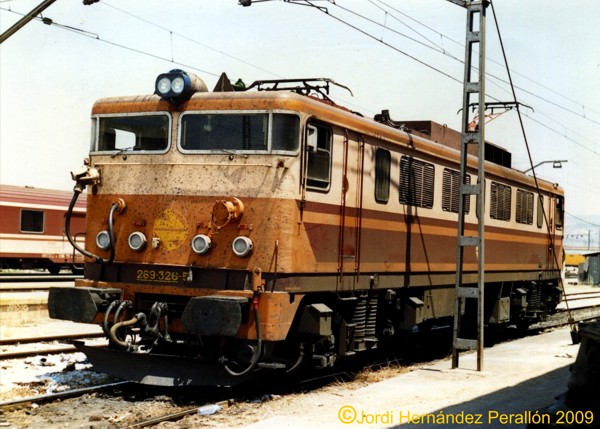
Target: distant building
column 589, row 270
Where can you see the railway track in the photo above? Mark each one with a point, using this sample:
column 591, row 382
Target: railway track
column 48, row 338
column 561, row 318
column 306, row 382
column 41, row 399
column 35, row 277
column 33, row 286
column 18, row 352
column 576, row 296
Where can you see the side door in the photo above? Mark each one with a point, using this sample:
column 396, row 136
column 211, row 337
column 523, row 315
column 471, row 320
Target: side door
column 555, row 216
column 335, row 165
column 351, row 202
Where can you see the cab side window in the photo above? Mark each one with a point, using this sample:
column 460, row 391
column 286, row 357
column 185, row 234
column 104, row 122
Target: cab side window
column 319, row 145
column 560, row 212
column 540, row 211
column 383, row 162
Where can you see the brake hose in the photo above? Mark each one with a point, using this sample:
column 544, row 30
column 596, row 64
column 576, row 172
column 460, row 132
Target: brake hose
column 257, row 351
column 111, row 231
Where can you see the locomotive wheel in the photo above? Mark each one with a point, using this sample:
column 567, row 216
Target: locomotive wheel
column 53, row 269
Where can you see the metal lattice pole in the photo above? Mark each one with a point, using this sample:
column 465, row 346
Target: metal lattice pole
column 472, row 134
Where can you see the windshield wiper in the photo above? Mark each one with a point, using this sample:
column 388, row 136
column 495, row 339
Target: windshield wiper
column 120, row 151
column 231, row 152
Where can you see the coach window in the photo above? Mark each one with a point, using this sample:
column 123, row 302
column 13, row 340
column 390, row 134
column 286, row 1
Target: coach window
column 318, row 142
column 32, row 221
column 524, row 207
column 451, row 191
column 540, row 211
column 500, row 205
column 416, row 182
column 383, row 161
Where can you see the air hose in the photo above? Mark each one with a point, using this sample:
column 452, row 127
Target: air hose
column 257, row 351
column 111, row 231
column 140, row 317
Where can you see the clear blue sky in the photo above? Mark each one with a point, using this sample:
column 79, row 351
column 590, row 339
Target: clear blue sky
column 50, row 75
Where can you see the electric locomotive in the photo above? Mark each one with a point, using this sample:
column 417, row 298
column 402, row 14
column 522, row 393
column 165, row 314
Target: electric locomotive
column 241, row 230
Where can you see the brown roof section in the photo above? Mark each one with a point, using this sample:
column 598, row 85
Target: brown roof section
column 41, row 196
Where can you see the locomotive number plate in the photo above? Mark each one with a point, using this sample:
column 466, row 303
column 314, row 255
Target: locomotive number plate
column 161, row 276
column 157, row 274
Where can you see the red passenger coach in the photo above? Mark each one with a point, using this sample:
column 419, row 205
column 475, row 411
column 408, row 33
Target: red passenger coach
column 32, row 229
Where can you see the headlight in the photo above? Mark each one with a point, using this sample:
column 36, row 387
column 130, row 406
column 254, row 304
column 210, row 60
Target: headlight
column 103, row 240
column 163, row 86
column 177, row 85
column 241, row 246
column 201, row 244
column 137, row 241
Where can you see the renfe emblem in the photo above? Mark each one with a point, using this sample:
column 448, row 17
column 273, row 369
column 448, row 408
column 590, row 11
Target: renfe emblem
column 171, row 228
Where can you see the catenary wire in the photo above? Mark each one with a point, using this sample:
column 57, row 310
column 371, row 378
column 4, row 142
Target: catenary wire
column 582, row 220
column 446, row 53
column 457, row 80
column 95, row 36
column 171, row 32
column 443, row 36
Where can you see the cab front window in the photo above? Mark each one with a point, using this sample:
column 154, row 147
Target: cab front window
column 253, row 132
column 142, row 133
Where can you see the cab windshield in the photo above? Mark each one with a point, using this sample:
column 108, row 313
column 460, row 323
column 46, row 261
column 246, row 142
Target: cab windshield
column 241, row 132
column 144, row 133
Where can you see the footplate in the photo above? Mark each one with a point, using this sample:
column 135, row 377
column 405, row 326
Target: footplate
column 159, row 370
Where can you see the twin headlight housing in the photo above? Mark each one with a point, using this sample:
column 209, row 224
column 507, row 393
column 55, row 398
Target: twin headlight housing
column 177, row 85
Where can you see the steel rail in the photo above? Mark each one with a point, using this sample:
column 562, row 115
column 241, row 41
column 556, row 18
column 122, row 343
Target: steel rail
column 29, row 353
column 41, row 277
column 583, row 295
column 29, row 340
column 60, row 395
column 44, row 352
column 178, row 415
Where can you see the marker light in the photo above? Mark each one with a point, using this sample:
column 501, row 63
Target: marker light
column 201, row 244
column 137, row 241
column 241, row 246
column 178, row 85
column 103, row 240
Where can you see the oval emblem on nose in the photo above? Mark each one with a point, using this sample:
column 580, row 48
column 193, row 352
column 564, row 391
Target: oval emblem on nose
column 171, row 228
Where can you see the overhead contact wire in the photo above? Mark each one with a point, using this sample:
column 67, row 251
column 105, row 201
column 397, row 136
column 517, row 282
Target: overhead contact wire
column 443, row 36
column 571, row 320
